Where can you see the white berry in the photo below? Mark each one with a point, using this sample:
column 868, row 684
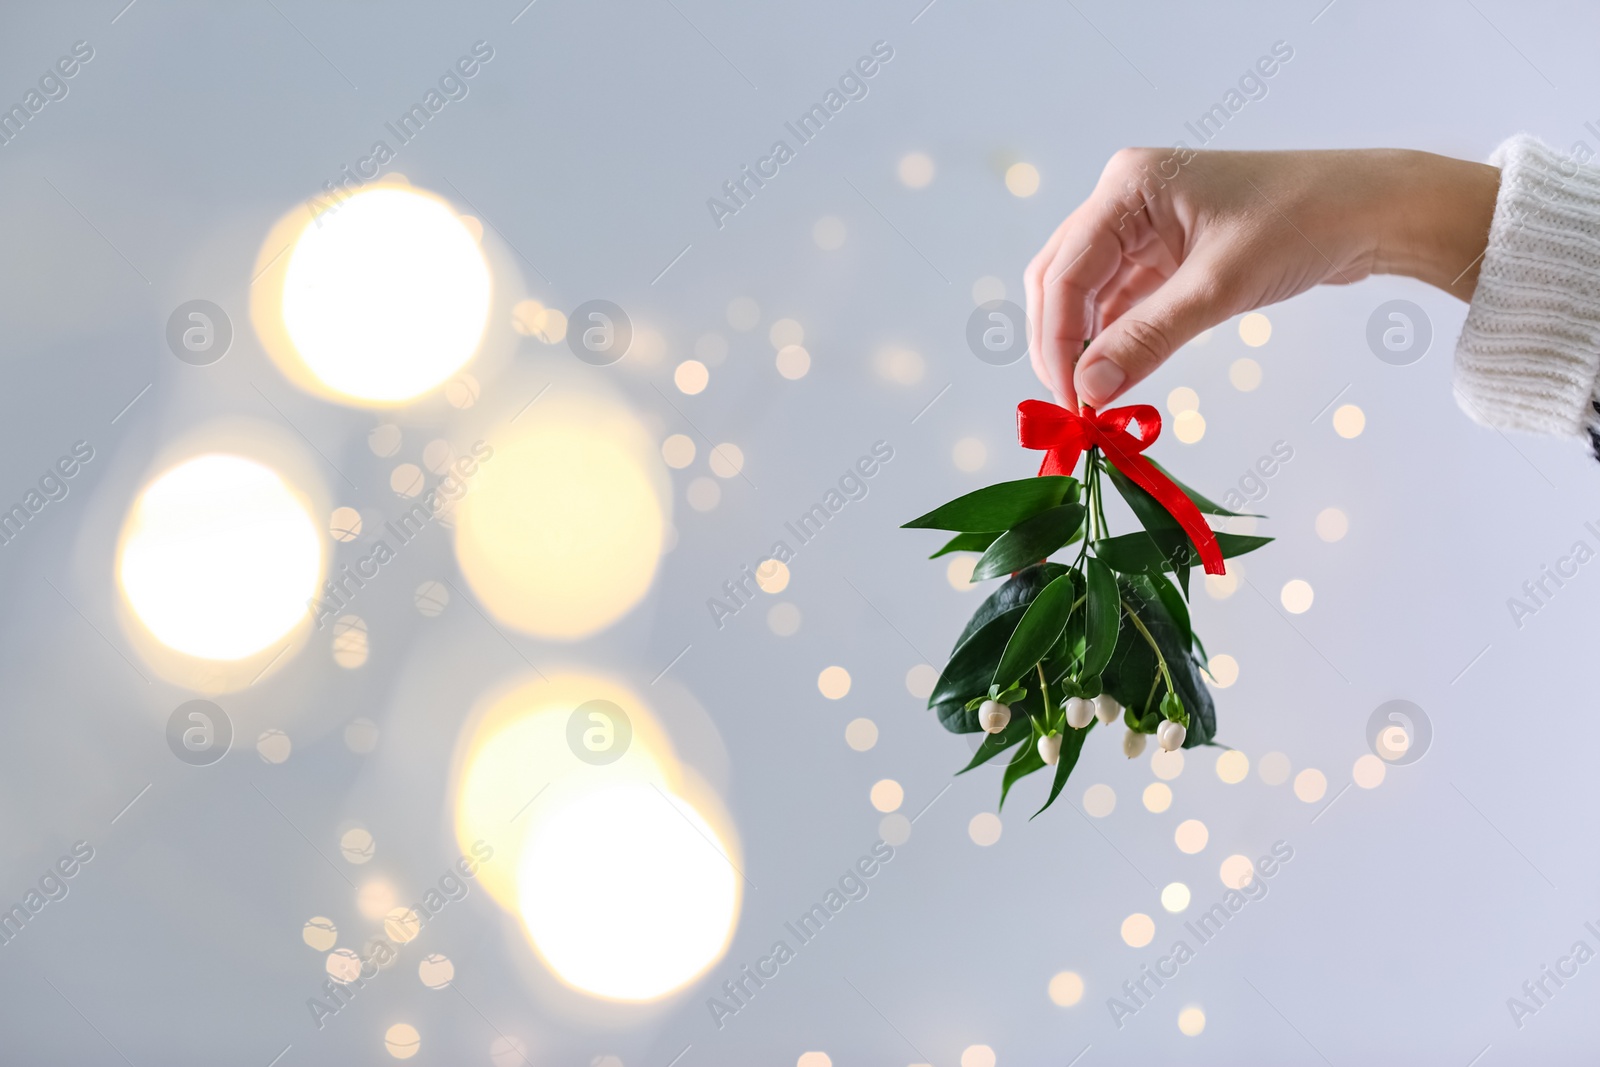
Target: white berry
column 1170, row 735
column 994, row 716
column 1133, row 744
column 1106, row 709
column 1080, row 712
column 1050, row 749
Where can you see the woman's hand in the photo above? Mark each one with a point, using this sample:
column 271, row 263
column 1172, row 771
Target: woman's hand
column 1174, row 241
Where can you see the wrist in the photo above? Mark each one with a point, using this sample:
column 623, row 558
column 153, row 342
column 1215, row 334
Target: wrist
column 1436, row 227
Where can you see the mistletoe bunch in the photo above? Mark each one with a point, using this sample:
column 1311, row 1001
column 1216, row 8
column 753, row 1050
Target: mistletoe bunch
column 1059, row 647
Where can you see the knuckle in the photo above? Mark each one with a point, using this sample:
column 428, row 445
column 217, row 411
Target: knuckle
column 1148, row 343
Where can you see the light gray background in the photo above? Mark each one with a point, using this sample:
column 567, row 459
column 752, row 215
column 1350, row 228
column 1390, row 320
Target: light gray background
column 1409, row 914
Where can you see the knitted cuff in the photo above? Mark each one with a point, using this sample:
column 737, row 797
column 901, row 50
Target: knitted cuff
column 1529, row 354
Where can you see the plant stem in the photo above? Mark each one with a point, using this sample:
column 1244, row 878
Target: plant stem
column 1044, row 693
column 1161, row 660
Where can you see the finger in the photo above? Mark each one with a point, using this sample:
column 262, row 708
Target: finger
column 1146, row 336
column 1032, row 289
column 1132, row 285
column 1088, row 258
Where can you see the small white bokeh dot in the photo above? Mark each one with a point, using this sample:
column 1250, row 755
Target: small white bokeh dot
column 894, row 829
column 436, row 971
column 384, row 440
column 829, row 233
column 969, row 454
column 1310, row 785
column 984, row 828
column 988, row 288
column 345, row 524
column 1297, row 596
column 1236, row 871
column 431, row 598
column 1255, row 329
column 921, row 679
column 320, row 933
column 861, row 734
column 1138, row 929
column 361, row 736
column 1223, row 669
column 916, row 170
column 1349, row 421
column 833, row 682
column 1099, row 800
column 1369, row 771
column 1166, row 765
column 1191, row 836
column 1245, row 374
column 1233, row 766
column 273, row 746
column 1274, row 768
column 1332, row 524
column 357, row 846
column 793, row 362
column 703, row 494
column 726, row 460
column 678, row 451
column 1066, row 989
column 887, row 795
column 783, row 619
column 691, row 377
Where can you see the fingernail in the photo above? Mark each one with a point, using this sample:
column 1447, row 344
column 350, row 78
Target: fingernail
column 1098, row 380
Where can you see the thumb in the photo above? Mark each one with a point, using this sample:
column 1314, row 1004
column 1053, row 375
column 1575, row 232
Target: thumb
column 1130, row 349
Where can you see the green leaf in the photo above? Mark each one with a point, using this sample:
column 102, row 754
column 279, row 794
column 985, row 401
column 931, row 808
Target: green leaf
column 1164, row 550
column 1170, row 599
column 999, row 507
column 1019, row 728
column 967, row 542
column 1071, row 748
column 1021, row 588
column 970, row 668
column 1030, row 541
column 1132, row 670
column 1039, row 629
column 1026, row 761
column 1207, row 506
column 1150, row 512
column 1104, row 616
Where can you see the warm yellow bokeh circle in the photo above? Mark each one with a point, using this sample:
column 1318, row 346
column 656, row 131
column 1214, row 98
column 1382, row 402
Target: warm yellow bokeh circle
column 623, row 871
column 219, row 557
column 560, row 534
column 385, row 294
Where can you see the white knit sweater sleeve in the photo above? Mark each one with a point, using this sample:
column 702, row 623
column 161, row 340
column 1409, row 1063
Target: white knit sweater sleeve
column 1529, row 354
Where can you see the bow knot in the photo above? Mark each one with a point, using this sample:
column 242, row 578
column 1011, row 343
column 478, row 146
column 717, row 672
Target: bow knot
column 1065, row 435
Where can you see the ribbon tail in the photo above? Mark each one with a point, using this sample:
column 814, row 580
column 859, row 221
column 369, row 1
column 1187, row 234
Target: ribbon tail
column 1178, row 505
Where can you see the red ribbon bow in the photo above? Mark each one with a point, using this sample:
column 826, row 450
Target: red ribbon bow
column 1065, row 436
